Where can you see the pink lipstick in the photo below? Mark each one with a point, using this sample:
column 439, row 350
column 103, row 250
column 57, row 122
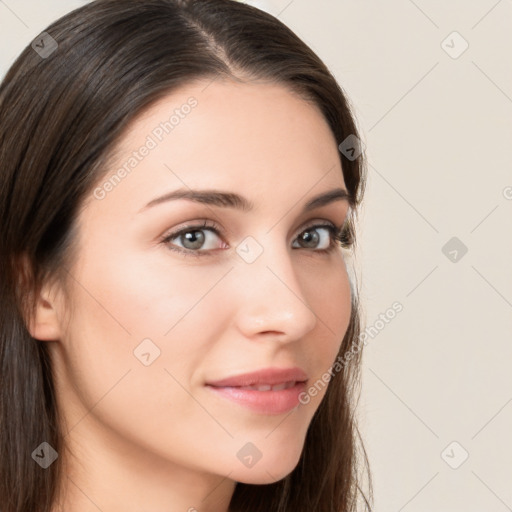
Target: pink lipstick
column 267, row 391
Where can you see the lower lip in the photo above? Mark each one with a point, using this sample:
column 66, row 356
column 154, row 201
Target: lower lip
column 265, row 402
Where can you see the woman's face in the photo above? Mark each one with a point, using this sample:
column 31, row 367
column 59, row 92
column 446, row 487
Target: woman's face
column 151, row 326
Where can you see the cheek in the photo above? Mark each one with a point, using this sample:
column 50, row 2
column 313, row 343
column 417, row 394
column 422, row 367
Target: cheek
column 135, row 341
column 145, row 293
column 329, row 294
column 330, row 298
column 131, row 310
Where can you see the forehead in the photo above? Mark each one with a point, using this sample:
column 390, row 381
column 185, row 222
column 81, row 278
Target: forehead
column 259, row 138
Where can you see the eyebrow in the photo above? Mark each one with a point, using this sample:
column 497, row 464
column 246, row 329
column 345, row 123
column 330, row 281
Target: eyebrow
column 232, row 200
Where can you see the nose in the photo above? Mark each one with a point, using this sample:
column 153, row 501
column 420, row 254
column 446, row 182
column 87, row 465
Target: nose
column 271, row 301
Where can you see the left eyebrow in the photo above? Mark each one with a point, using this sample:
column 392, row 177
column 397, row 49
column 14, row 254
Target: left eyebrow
column 232, row 200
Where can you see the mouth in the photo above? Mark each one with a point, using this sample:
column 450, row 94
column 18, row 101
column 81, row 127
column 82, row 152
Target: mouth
column 266, row 387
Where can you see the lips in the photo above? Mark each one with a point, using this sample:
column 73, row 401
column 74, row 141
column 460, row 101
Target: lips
column 269, row 391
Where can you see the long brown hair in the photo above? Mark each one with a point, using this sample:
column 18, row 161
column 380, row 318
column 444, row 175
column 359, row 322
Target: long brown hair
column 62, row 110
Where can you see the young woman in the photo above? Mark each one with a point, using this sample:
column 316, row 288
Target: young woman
column 178, row 329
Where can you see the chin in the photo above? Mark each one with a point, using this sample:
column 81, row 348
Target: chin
column 267, row 472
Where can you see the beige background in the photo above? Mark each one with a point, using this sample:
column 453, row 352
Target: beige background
column 437, row 125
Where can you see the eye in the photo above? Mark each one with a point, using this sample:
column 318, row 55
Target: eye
column 319, row 237
column 193, row 238
column 311, row 239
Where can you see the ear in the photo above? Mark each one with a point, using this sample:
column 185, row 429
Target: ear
column 43, row 321
column 44, row 324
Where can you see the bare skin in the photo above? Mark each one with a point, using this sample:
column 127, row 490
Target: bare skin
column 154, row 437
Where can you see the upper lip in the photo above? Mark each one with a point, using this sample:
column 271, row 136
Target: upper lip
column 271, row 376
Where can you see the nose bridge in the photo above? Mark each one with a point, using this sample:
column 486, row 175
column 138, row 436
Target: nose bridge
column 271, row 297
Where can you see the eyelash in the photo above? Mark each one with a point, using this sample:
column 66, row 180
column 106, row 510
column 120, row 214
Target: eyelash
column 343, row 235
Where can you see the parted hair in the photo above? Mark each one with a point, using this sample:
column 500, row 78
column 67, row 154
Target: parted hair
column 61, row 116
